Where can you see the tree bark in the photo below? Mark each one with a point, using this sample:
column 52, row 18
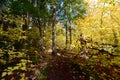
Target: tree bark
column 41, row 38
column 66, row 35
column 70, row 31
column 54, row 52
column 101, row 22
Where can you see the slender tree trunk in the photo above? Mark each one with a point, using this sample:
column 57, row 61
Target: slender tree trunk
column 40, row 26
column 41, row 39
column 66, row 35
column 70, row 28
column 1, row 6
column 101, row 22
column 70, row 31
column 54, row 52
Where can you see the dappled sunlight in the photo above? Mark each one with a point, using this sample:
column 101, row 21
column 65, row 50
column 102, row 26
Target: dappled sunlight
column 59, row 40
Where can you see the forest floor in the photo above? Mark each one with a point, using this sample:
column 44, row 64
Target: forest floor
column 67, row 66
column 60, row 67
column 70, row 66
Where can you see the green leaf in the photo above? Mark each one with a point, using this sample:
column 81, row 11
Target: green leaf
column 10, row 72
column 23, row 68
column 4, row 74
column 9, row 68
column 16, row 68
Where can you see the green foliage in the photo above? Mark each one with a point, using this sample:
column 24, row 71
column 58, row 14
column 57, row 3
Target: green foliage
column 20, row 7
column 14, row 62
column 11, row 35
column 11, row 59
column 44, row 73
column 103, row 60
column 71, row 10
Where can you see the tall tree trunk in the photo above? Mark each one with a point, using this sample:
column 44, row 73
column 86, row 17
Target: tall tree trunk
column 54, row 52
column 1, row 6
column 70, row 31
column 66, row 35
column 41, row 40
column 101, row 23
column 70, row 28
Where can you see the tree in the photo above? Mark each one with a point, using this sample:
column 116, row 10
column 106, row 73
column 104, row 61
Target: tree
column 69, row 11
column 53, row 30
column 103, row 27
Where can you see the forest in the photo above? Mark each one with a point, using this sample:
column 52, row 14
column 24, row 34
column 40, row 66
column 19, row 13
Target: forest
column 59, row 39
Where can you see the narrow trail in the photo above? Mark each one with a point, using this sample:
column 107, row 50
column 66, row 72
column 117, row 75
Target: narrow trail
column 66, row 66
column 60, row 67
column 63, row 68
